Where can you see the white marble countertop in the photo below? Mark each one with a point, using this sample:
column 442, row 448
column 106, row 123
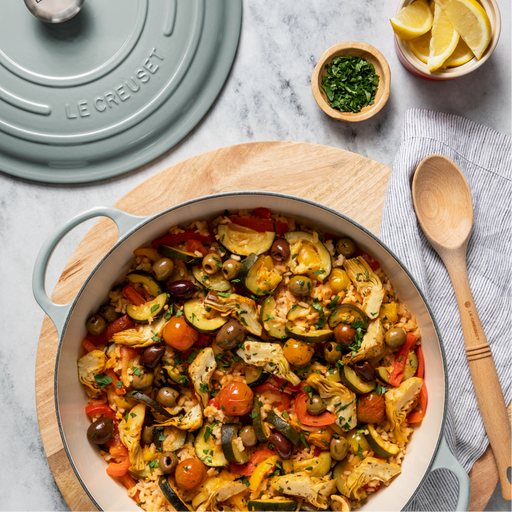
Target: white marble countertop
column 266, row 97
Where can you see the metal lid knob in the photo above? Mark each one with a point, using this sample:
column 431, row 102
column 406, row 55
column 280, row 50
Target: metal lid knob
column 54, row 11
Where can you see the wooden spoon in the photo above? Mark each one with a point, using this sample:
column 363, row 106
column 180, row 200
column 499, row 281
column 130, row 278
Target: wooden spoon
column 442, row 200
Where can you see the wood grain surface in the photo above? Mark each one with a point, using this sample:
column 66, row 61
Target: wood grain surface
column 349, row 183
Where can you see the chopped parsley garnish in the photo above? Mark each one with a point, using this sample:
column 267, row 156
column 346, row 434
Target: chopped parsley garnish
column 102, row 380
column 155, row 308
column 136, row 371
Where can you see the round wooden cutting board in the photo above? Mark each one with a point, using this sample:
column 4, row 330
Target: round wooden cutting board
column 347, row 182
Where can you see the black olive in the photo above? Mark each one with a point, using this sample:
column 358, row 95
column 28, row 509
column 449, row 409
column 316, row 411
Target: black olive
column 182, row 289
column 283, row 446
column 346, row 247
column 365, row 371
column 96, row 325
column 230, row 335
column 109, row 313
column 101, row 431
column 152, row 356
column 280, row 250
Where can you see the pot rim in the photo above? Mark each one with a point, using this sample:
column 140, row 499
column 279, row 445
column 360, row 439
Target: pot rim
column 151, row 218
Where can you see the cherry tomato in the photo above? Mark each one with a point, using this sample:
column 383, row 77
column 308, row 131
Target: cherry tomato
column 371, row 408
column 190, row 473
column 179, row 335
column 344, row 334
column 236, row 399
column 297, row 352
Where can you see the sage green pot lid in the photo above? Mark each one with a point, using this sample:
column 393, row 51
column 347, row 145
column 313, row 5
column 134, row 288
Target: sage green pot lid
column 110, row 89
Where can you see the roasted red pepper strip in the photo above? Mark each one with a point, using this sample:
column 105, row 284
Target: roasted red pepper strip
column 374, row 264
column 279, row 399
column 420, row 372
column 119, row 451
column 279, row 384
column 129, row 352
column 260, row 225
column 118, row 388
column 121, row 324
column 417, row 417
column 195, row 245
column 396, row 375
column 256, row 458
column 88, row 346
column 182, row 237
column 129, row 483
column 262, row 213
column 133, row 296
column 301, row 409
column 103, row 409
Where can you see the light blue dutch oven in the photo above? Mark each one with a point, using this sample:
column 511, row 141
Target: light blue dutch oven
column 428, row 449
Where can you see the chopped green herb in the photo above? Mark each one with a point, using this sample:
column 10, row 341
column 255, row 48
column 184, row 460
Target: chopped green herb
column 136, row 371
column 102, row 380
column 155, row 308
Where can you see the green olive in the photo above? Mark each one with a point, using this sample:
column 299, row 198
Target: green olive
column 356, row 441
column 142, row 381
column 109, row 313
column 248, row 436
column 96, row 325
column 231, row 269
column 167, row 397
column 395, row 337
column 338, row 448
column 332, row 352
column 315, row 405
column 147, row 435
column 300, row 285
column 163, row 268
column 346, row 247
column 212, row 263
column 167, row 462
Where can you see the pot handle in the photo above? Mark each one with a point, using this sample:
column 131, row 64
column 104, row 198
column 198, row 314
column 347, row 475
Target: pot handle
column 58, row 312
column 446, row 460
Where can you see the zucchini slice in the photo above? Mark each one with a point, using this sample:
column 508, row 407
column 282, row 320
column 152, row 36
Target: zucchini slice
column 284, row 427
column 383, row 373
column 257, row 276
column 410, row 369
column 187, row 257
column 227, row 439
column 207, row 450
column 317, row 466
column 141, row 314
column 255, row 376
column 147, row 280
column 352, row 381
column 274, row 504
column 244, row 241
column 215, row 282
column 347, row 313
column 309, row 337
column 199, row 319
column 274, row 329
column 171, row 495
column 307, row 256
column 258, row 424
column 152, row 404
column 379, row 446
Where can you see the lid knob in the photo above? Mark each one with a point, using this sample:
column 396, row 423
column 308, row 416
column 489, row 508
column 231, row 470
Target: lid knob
column 54, row 11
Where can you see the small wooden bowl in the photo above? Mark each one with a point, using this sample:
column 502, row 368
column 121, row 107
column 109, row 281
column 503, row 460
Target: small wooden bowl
column 420, row 69
column 362, row 50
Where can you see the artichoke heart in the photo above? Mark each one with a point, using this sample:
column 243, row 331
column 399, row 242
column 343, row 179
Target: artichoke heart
column 398, row 404
column 200, row 372
column 90, row 365
column 239, row 307
column 313, row 489
column 190, row 421
column 221, row 494
column 142, row 337
column 130, row 429
column 339, row 400
column 370, row 469
column 367, row 284
column 269, row 356
column 372, row 346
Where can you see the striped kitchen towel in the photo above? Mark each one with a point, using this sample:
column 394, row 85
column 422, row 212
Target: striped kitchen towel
column 484, row 156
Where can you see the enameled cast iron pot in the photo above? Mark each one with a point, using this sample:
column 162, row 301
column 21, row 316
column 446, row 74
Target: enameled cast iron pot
column 426, row 452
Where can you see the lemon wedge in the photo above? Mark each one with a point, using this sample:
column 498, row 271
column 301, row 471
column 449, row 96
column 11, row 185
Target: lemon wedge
column 413, row 21
column 471, row 22
column 420, row 47
column 444, row 39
